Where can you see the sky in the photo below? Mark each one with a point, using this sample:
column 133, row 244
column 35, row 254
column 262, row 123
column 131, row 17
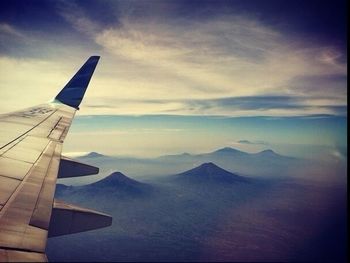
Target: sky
column 177, row 76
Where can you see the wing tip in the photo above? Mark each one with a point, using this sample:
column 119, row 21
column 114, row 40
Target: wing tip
column 73, row 93
column 93, row 59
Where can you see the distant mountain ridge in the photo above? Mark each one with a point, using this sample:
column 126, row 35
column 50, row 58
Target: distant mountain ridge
column 226, row 151
column 263, row 163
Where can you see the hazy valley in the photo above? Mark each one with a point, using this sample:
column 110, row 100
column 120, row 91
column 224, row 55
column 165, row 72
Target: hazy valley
column 207, row 213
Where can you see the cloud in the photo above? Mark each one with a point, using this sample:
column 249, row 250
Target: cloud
column 76, row 16
column 229, row 56
column 298, row 105
column 227, row 64
column 253, row 142
column 6, row 29
column 268, row 105
column 328, row 85
column 12, row 39
column 218, row 47
column 261, row 103
column 134, row 131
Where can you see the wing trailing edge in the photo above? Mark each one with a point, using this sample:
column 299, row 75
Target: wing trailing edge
column 71, row 168
column 69, row 219
column 73, row 93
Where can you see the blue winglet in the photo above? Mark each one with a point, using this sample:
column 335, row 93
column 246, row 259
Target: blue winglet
column 73, row 93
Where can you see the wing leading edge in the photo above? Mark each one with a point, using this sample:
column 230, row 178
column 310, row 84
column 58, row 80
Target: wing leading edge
column 30, row 163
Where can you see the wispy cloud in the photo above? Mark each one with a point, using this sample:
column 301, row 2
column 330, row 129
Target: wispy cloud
column 267, row 105
column 74, row 14
column 10, row 30
column 134, row 131
column 253, row 142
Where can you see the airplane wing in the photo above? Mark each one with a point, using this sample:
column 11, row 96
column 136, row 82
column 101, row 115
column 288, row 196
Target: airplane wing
column 30, row 163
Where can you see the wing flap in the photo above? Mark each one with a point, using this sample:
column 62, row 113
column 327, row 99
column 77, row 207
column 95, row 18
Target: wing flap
column 70, row 168
column 68, row 219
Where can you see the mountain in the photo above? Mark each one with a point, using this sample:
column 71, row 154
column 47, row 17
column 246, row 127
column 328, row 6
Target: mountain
column 271, row 154
column 228, row 151
column 225, row 153
column 181, row 156
column 117, row 181
column 264, row 163
column 116, row 184
column 93, row 155
column 209, row 172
